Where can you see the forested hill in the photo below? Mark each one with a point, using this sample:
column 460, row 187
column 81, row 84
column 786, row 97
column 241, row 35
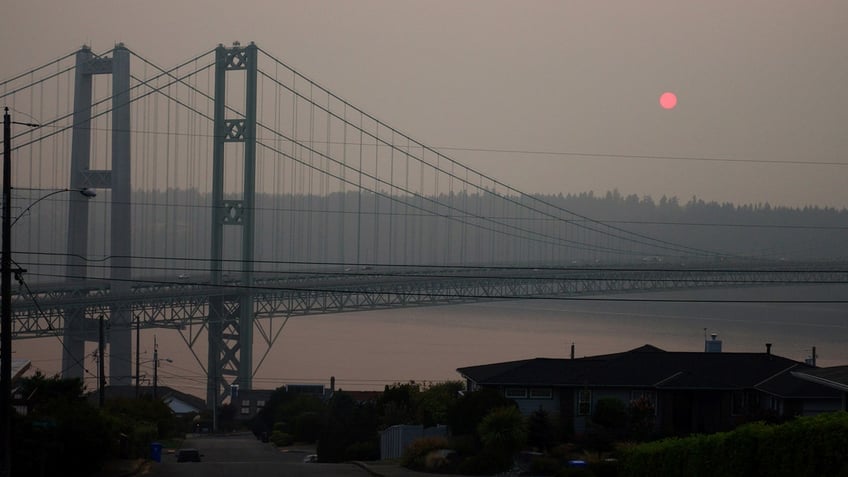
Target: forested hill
column 808, row 233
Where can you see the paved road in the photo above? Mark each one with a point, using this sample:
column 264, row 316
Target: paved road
column 245, row 456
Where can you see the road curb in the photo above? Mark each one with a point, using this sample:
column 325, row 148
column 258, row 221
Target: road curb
column 366, row 468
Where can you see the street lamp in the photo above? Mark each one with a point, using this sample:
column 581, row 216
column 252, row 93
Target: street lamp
column 6, row 292
column 85, row 192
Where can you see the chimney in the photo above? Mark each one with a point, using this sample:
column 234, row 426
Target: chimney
column 712, row 345
column 572, row 350
column 332, row 384
column 768, row 348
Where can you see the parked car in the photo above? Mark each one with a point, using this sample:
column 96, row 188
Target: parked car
column 188, row 455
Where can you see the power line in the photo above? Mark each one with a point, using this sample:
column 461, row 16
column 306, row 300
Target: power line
column 639, row 156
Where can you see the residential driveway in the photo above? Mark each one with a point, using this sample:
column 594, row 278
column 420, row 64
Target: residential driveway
column 244, row 456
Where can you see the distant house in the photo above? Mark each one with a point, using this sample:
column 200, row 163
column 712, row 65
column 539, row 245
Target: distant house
column 250, row 402
column 179, row 402
column 690, row 392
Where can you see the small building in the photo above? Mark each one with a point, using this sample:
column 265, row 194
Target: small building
column 690, row 392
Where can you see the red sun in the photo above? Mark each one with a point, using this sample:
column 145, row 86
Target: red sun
column 668, row 100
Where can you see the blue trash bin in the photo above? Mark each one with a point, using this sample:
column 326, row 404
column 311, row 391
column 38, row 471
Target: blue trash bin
column 156, row 452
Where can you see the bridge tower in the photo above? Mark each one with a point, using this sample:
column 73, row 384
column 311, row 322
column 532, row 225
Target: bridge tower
column 79, row 327
column 230, row 321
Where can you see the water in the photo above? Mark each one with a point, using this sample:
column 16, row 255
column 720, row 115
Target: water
column 367, row 350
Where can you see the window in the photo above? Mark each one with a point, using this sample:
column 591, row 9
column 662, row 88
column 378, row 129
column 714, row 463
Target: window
column 245, row 406
column 541, row 393
column 515, row 393
column 584, row 402
column 260, row 404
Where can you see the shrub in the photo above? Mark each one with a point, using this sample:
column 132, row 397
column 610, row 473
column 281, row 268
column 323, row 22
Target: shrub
column 544, row 465
column 464, row 445
column 414, row 456
column 282, row 439
column 441, row 460
column 807, row 446
column 502, row 431
column 540, row 430
column 363, row 450
column 483, row 464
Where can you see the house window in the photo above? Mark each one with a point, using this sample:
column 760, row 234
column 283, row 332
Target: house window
column 541, row 393
column 245, row 406
column 584, row 402
column 516, row 393
column 260, row 404
column 643, row 399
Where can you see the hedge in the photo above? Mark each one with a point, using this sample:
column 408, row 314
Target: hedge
column 806, row 446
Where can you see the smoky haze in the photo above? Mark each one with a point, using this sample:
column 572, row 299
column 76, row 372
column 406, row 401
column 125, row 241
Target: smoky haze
column 550, row 96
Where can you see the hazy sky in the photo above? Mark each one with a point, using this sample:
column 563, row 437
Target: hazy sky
column 756, row 80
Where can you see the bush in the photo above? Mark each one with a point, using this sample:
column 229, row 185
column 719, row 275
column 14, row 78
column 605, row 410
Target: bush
column 442, row 460
column 282, row 439
column 502, row 431
column 363, row 450
column 414, row 456
column 807, row 446
column 484, row 464
column 544, row 465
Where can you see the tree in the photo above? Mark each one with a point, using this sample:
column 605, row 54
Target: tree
column 61, row 425
column 502, row 433
column 540, row 430
column 435, row 401
column 470, row 409
column 349, row 426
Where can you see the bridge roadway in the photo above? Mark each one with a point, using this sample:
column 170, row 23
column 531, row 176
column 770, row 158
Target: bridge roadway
column 184, row 302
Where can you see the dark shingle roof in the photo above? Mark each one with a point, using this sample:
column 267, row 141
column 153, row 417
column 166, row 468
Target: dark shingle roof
column 835, row 377
column 649, row 367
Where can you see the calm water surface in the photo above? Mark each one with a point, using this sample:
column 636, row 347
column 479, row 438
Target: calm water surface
column 366, row 350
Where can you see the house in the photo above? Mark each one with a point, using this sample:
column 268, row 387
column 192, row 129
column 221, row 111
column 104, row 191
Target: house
column 689, row 392
column 179, row 402
column 250, row 402
column 835, row 377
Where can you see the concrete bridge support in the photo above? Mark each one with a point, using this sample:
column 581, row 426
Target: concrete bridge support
column 78, row 326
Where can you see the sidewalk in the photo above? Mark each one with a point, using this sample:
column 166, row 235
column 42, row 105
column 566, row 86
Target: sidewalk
column 393, row 469
column 123, row 468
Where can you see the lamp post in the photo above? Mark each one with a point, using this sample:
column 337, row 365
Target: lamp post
column 6, row 292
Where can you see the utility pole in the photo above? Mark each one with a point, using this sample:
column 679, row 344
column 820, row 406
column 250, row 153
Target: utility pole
column 137, row 357
column 6, row 292
column 101, row 365
column 155, row 368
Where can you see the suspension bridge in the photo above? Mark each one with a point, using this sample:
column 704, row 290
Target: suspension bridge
column 233, row 192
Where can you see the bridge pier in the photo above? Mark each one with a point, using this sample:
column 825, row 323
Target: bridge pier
column 230, row 328
column 118, row 180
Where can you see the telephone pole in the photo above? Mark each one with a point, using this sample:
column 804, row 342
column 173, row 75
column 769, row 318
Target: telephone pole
column 6, row 292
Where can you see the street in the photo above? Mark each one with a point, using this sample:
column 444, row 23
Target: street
column 243, row 455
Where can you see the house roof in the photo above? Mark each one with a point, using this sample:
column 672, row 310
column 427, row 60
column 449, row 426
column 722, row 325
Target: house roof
column 166, row 393
column 652, row 367
column 835, row 377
